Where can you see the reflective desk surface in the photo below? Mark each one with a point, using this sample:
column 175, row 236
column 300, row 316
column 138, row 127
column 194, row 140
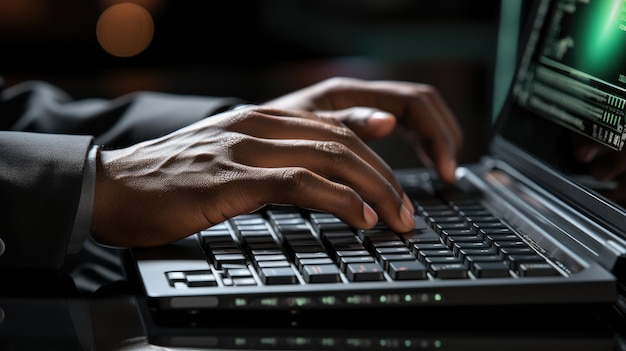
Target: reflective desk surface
column 45, row 317
column 95, row 307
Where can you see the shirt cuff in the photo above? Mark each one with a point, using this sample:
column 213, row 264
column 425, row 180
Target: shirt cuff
column 80, row 230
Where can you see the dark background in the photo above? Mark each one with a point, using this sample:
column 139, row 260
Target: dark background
column 259, row 49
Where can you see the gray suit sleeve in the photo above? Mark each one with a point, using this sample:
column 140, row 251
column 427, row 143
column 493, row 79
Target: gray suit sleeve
column 45, row 136
column 40, row 183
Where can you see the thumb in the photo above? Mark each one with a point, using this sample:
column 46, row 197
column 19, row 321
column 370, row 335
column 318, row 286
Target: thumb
column 368, row 123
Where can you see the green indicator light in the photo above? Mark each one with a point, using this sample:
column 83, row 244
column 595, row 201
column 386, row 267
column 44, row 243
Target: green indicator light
column 353, row 299
column 240, row 302
column 268, row 341
column 383, row 342
column 302, row 341
column 301, row 301
column 438, row 297
column 383, row 298
column 328, row 342
column 437, row 344
column 353, row 342
column 407, row 343
column 240, row 341
column 328, row 300
column 269, row 302
column 408, row 298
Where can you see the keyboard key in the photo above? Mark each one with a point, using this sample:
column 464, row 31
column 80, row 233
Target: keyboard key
column 313, row 261
column 537, row 270
column 176, row 277
column 345, row 261
column 359, row 272
column 321, row 273
column 516, row 260
column 490, row 269
column 391, row 251
column 237, row 272
column 278, row 275
column 420, row 237
column 407, row 270
column 272, row 264
column 243, row 281
column 231, row 258
column 448, row 270
column 350, row 253
column 201, row 279
column 384, row 259
column 422, row 255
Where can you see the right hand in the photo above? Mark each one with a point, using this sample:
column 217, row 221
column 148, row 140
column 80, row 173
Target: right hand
column 165, row 189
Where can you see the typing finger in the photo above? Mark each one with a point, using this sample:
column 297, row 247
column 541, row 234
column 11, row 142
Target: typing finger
column 335, row 162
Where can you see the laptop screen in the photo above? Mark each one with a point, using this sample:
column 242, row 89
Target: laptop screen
column 569, row 96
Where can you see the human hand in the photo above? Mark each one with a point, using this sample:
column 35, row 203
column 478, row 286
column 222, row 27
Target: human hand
column 371, row 109
column 162, row 190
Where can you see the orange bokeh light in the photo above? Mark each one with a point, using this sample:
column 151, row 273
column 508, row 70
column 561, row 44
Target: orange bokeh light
column 125, row 29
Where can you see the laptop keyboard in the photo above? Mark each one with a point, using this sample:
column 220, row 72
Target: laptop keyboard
column 455, row 237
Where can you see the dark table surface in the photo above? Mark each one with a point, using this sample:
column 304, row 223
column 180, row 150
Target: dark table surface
column 111, row 321
column 49, row 312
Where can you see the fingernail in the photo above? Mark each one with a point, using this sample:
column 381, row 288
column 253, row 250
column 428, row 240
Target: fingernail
column 407, row 217
column 407, row 202
column 370, row 215
column 380, row 115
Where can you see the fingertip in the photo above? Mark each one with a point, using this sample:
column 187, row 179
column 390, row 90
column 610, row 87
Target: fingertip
column 382, row 121
column 381, row 115
column 371, row 218
column 447, row 170
column 407, row 218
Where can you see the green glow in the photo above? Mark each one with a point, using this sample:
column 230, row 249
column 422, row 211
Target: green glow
column 272, row 301
column 268, row 341
column 328, row 342
column 438, row 297
column 612, row 17
column 302, row 341
column 300, row 301
column 599, row 44
column 328, row 300
column 355, row 342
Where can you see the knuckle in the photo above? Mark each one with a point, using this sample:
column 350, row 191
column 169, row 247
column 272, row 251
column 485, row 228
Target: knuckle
column 336, row 152
column 294, row 178
column 250, row 113
column 344, row 136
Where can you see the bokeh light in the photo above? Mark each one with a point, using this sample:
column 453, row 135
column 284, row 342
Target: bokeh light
column 125, row 29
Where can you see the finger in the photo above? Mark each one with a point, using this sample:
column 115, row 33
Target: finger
column 335, row 162
column 303, row 188
column 444, row 114
column 418, row 105
column 267, row 126
column 368, row 123
column 438, row 142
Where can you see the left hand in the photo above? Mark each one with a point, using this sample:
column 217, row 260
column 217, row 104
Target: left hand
column 373, row 109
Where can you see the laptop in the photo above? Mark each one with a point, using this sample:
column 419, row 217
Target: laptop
column 539, row 221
